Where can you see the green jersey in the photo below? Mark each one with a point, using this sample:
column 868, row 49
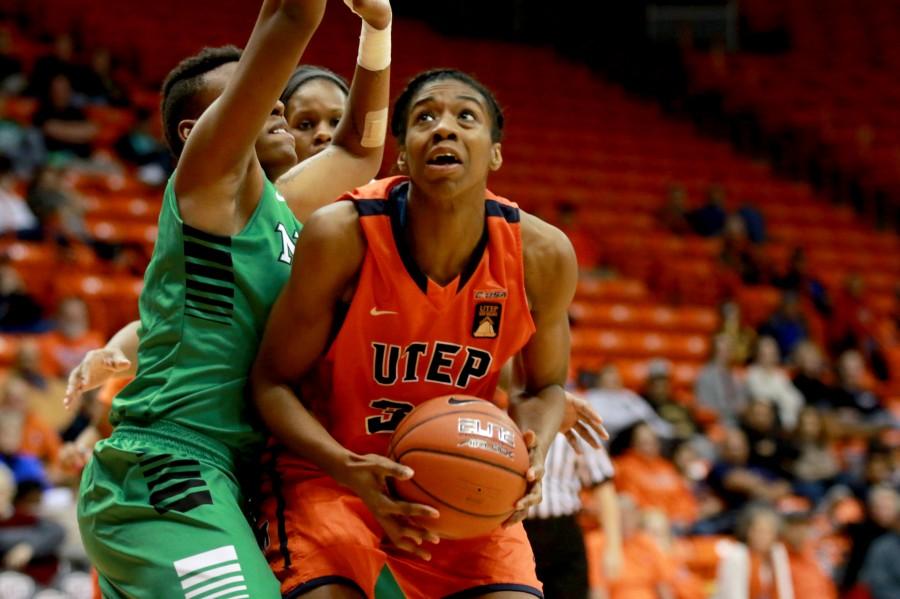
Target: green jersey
column 204, row 307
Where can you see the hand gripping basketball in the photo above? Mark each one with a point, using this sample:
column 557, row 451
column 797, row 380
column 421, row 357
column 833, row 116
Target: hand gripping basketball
column 367, row 476
column 533, row 492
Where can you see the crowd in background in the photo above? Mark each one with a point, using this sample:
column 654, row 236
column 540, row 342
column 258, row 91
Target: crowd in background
column 784, row 447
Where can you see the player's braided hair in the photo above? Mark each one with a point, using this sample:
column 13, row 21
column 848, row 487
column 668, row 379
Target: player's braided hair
column 400, row 115
column 307, row 73
column 181, row 86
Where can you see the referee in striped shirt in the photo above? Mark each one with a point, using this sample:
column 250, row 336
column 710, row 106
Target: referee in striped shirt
column 552, row 526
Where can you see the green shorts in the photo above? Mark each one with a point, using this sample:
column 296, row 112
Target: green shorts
column 162, row 516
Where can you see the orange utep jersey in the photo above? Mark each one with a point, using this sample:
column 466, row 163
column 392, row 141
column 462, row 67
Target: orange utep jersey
column 406, row 339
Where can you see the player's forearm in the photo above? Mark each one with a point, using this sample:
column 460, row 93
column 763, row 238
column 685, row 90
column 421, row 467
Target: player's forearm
column 541, row 413
column 295, row 427
column 362, row 132
column 608, row 506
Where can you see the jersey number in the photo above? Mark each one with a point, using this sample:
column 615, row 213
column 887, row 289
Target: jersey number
column 392, row 414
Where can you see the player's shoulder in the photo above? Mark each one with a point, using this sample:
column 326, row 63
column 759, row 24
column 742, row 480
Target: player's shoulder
column 335, row 230
column 543, row 244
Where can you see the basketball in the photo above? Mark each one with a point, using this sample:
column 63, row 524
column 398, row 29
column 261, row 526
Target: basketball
column 469, row 460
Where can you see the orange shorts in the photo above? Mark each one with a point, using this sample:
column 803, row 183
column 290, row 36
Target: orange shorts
column 320, row 533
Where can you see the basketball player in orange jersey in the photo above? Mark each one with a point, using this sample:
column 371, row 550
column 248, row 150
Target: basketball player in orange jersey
column 415, row 286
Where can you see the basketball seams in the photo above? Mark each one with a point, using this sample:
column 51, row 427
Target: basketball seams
column 462, row 457
column 396, row 440
column 456, row 509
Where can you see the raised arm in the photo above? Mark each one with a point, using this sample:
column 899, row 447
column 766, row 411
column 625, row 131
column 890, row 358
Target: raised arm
column 220, row 147
column 355, row 154
column 551, row 273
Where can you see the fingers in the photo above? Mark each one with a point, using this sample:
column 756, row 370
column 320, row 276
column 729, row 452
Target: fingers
column 75, row 387
column 530, row 438
column 116, row 361
column 405, row 535
column 410, row 510
column 572, row 438
column 588, row 434
column 382, row 467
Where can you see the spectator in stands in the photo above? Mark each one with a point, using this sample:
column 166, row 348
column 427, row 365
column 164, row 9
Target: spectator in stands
column 19, row 311
column 685, row 584
column 58, row 210
column 22, row 538
column 787, row 325
column 644, row 572
column 853, row 397
column 739, row 254
column 757, row 566
column 621, row 407
column 98, row 82
column 798, row 280
column 736, row 481
column 12, row 80
column 709, row 220
column 28, row 542
column 23, row 145
column 814, row 466
column 768, row 449
column 141, row 148
column 673, row 215
column 658, row 392
column 15, row 215
column 852, row 325
column 879, row 468
column 882, row 511
column 65, row 126
column 717, row 388
column 37, row 438
column 742, row 336
column 63, row 348
column 754, row 223
column 881, row 570
column 807, row 576
column 649, row 478
column 26, row 468
column 60, row 62
column 810, row 373
column 584, row 240
column 767, row 381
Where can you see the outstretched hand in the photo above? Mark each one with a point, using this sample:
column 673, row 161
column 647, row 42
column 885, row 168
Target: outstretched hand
column 97, row 367
column 402, row 521
column 376, row 13
column 581, row 421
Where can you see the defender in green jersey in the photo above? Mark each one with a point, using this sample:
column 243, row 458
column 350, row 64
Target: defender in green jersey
column 161, row 508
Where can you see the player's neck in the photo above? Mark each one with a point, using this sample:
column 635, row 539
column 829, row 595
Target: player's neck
column 443, row 233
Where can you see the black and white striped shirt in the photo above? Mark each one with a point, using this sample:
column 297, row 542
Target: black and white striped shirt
column 566, row 473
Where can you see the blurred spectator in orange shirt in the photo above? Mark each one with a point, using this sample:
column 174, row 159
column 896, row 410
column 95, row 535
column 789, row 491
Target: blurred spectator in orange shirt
column 644, row 573
column 807, row 575
column 685, row 584
column 64, row 348
column 37, row 437
column 649, row 478
column 757, row 566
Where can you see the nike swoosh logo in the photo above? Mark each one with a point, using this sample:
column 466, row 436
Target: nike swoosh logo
column 458, row 402
column 376, row 312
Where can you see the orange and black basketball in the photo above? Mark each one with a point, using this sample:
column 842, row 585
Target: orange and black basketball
column 470, row 462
